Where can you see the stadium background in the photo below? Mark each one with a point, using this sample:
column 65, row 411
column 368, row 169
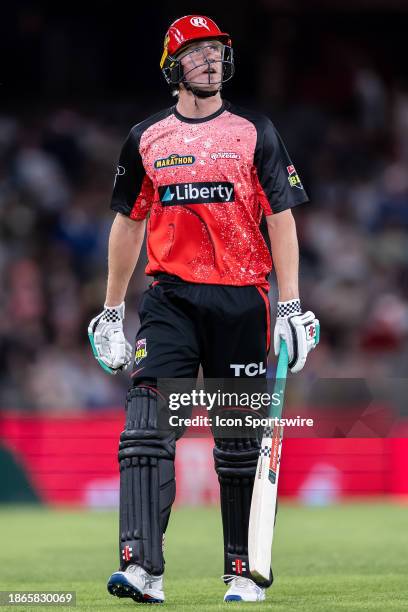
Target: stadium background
column 333, row 78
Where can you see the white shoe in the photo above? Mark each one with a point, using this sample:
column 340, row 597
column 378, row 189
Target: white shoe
column 138, row 584
column 242, row 589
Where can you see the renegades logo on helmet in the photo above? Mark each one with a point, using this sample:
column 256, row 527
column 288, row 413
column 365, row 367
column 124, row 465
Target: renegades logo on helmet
column 199, row 22
column 184, row 31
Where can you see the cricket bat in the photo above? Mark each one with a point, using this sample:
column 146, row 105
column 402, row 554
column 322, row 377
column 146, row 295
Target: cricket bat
column 264, row 494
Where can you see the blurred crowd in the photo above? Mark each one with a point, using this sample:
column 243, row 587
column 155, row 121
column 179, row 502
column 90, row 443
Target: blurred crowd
column 56, row 177
column 349, row 141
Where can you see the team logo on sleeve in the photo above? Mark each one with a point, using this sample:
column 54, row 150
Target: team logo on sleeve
column 120, row 171
column 174, row 160
column 293, row 178
column 141, row 350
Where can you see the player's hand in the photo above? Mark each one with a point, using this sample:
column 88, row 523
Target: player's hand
column 110, row 347
column 300, row 331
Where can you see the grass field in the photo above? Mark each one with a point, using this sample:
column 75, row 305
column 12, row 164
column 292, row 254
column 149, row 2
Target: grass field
column 348, row 557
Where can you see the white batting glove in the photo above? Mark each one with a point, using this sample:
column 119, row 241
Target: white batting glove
column 110, row 347
column 301, row 332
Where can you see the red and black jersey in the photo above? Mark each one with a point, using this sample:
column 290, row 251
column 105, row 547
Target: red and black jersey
column 206, row 183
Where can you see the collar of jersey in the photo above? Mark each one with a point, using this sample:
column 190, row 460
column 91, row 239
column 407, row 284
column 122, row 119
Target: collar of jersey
column 222, row 108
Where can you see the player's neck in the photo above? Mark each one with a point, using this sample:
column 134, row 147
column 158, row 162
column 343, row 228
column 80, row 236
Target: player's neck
column 192, row 107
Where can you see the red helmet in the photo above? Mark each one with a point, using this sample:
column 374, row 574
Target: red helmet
column 190, row 28
column 184, row 31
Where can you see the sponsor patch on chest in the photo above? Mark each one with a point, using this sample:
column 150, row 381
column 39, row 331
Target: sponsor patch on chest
column 196, row 193
column 174, row 160
column 225, row 155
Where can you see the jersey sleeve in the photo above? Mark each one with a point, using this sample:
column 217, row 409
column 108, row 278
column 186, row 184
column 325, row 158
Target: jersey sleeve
column 133, row 189
column 278, row 184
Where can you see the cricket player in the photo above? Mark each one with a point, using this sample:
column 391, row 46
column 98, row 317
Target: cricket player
column 201, row 175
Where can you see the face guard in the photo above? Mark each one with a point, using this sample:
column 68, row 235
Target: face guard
column 198, row 68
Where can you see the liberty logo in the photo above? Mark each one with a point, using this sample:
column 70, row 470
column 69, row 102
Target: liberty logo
column 168, row 196
column 197, row 193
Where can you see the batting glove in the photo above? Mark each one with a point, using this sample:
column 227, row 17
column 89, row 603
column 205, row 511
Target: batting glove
column 300, row 331
column 109, row 345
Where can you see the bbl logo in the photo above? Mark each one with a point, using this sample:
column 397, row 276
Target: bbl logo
column 293, row 178
column 196, row 193
column 141, row 350
column 174, row 160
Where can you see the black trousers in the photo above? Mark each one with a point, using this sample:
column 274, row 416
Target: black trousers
column 226, row 329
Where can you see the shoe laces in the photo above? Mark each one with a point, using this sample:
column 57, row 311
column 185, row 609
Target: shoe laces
column 239, row 581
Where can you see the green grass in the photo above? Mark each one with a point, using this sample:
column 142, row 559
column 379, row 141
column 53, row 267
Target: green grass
column 347, row 557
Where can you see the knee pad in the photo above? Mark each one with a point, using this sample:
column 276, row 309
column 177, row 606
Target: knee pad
column 147, row 481
column 235, row 463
